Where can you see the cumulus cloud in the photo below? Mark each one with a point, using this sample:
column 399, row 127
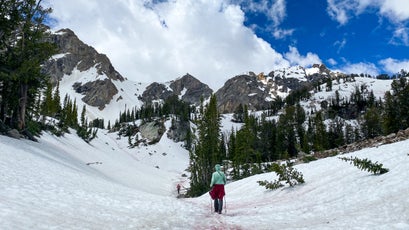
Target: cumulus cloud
column 396, row 10
column 361, row 67
column 338, row 11
column 296, row 58
column 394, row 66
column 162, row 40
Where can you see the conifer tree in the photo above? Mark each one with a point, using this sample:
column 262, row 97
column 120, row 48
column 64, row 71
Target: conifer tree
column 371, row 126
column 243, row 152
column 319, row 132
column 287, row 136
column 22, row 50
column 206, row 151
column 391, row 115
column 267, row 140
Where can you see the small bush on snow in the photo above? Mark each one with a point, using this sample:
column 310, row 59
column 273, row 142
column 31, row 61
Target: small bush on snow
column 366, row 165
column 286, row 175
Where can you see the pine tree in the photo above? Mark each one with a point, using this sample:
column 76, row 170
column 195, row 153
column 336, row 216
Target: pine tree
column 206, row 152
column 267, row 140
column 319, row 132
column 23, row 50
column 238, row 115
column 287, row 134
column 243, row 151
column 391, row 115
column 46, row 107
column 371, row 126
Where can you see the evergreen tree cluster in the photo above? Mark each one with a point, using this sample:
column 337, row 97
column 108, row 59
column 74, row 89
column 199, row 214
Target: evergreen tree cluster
column 27, row 100
column 266, row 140
column 66, row 116
column 207, row 150
column 171, row 106
column 22, row 51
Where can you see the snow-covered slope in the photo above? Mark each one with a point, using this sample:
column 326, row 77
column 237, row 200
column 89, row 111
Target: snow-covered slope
column 345, row 89
column 126, row 98
column 49, row 185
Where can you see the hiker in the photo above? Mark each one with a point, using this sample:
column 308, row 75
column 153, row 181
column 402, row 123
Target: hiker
column 217, row 184
column 178, row 188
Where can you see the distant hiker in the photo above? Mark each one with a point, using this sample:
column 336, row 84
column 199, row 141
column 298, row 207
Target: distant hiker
column 178, row 188
column 217, row 184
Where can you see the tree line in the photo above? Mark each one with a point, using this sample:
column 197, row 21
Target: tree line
column 288, row 130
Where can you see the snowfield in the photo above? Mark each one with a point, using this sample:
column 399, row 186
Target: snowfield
column 65, row 183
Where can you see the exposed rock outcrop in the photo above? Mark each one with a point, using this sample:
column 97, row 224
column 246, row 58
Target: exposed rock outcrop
column 94, row 96
column 73, row 53
column 152, row 131
column 258, row 91
column 178, row 131
column 188, row 88
column 245, row 90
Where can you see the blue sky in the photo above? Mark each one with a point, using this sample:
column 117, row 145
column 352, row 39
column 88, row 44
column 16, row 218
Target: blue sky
column 214, row 40
column 362, row 36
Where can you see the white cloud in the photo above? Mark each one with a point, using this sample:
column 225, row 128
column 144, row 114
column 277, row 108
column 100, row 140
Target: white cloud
column 170, row 38
column 296, row 58
column 332, row 61
column 396, row 10
column 343, row 10
column 282, row 33
column 274, row 10
column 361, row 67
column 337, row 10
column 400, row 36
column 340, row 44
column 394, row 66
column 277, row 11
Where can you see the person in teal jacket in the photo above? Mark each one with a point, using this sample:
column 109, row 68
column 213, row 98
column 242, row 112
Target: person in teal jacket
column 217, row 184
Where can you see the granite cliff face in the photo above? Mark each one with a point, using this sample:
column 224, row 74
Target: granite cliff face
column 258, row 91
column 74, row 55
column 188, row 88
column 245, row 90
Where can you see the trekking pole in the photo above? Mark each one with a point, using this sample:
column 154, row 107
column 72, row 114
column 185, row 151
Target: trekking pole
column 211, row 209
column 225, row 205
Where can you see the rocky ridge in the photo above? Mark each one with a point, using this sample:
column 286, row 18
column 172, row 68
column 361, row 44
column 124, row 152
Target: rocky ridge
column 74, row 54
column 188, row 88
column 258, row 91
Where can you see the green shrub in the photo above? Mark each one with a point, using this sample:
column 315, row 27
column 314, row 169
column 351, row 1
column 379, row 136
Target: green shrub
column 308, row 158
column 286, row 175
column 366, row 165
